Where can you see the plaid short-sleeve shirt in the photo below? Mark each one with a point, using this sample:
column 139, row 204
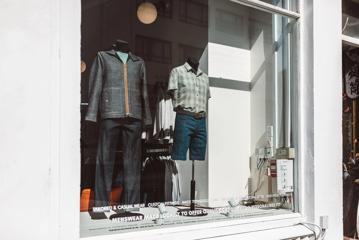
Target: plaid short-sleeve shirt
column 191, row 90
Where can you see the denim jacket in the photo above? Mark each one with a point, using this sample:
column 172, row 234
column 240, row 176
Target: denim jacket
column 118, row 90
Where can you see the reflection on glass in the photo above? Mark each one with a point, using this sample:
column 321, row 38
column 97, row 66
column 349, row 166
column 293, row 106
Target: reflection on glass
column 350, row 19
column 185, row 120
column 250, row 59
column 286, row 4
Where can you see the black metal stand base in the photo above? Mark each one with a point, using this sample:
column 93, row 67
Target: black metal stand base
column 192, row 211
column 97, row 215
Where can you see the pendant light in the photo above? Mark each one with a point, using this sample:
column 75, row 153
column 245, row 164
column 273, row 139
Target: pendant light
column 83, row 66
column 147, row 12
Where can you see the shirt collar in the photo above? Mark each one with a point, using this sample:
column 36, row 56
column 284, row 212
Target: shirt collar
column 189, row 68
column 130, row 55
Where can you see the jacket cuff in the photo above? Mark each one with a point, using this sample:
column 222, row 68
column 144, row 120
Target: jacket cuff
column 91, row 118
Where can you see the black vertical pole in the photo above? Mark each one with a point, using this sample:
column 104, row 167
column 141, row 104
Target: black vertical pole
column 193, row 187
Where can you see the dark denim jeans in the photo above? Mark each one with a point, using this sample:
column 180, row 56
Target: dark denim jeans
column 190, row 133
column 111, row 130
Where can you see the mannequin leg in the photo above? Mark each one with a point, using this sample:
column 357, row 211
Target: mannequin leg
column 198, row 144
column 106, row 154
column 131, row 138
column 184, row 128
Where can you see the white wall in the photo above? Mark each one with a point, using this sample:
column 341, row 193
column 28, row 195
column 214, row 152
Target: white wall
column 29, row 135
column 328, row 114
column 228, row 145
column 229, row 109
column 263, row 83
column 321, row 132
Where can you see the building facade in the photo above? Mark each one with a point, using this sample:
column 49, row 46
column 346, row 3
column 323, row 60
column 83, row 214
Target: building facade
column 275, row 75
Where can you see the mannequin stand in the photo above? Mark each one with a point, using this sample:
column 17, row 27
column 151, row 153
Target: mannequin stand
column 192, row 211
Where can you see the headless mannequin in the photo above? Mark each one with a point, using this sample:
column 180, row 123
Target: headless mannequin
column 121, row 46
column 122, row 49
column 193, row 62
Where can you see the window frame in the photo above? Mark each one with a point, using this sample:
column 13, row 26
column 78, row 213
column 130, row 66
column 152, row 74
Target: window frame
column 64, row 198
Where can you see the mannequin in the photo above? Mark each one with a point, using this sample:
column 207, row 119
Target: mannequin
column 193, row 62
column 122, row 49
column 189, row 89
column 122, row 46
column 118, row 90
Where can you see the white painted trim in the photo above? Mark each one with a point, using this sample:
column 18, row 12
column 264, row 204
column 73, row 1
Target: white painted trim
column 68, row 167
column 213, row 229
column 305, row 182
column 267, row 8
column 350, row 40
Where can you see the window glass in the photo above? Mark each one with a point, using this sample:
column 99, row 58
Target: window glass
column 286, row 4
column 350, row 20
column 187, row 114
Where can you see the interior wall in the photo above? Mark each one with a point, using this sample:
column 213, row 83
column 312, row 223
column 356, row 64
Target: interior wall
column 229, row 109
column 241, row 48
column 262, row 110
column 262, row 76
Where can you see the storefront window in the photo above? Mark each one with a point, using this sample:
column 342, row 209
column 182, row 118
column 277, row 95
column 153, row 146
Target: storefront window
column 187, row 114
column 350, row 20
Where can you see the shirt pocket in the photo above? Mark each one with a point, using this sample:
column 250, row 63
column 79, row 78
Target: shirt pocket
column 183, row 86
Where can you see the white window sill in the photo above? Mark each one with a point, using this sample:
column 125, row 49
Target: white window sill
column 271, row 227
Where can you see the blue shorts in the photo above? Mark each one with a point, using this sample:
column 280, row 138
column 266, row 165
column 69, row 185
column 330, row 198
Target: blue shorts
column 190, row 133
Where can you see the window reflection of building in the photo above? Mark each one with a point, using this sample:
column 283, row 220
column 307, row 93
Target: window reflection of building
column 194, row 12
column 164, row 7
column 186, row 51
column 154, row 50
column 228, row 22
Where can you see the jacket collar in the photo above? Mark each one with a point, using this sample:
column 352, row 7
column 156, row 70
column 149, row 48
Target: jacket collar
column 131, row 56
column 189, row 68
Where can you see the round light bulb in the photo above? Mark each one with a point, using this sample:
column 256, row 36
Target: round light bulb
column 147, row 13
column 83, row 66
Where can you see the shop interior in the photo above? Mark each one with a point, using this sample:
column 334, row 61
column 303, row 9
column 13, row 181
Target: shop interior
column 247, row 55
